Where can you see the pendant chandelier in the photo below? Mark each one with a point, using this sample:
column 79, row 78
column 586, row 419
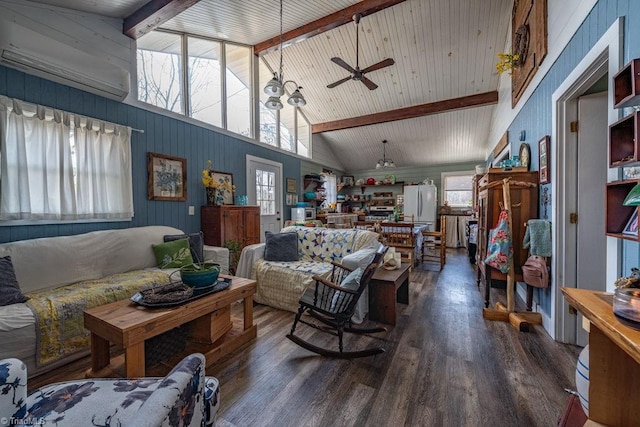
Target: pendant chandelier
column 384, row 162
column 275, row 86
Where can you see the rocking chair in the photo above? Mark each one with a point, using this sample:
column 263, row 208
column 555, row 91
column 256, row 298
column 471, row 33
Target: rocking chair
column 333, row 305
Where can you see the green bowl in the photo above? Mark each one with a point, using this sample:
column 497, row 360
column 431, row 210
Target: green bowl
column 200, row 275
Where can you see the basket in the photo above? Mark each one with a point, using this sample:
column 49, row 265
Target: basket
column 200, row 275
column 165, row 346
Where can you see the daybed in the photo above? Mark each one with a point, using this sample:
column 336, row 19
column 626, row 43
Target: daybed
column 185, row 397
column 281, row 284
column 67, row 274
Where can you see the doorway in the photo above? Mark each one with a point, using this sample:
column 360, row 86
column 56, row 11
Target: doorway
column 264, row 188
column 581, row 171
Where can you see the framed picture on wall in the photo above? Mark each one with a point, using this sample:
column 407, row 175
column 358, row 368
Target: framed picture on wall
column 543, row 160
column 166, row 177
column 292, row 185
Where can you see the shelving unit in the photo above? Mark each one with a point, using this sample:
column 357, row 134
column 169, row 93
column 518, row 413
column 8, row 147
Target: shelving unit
column 315, row 185
column 617, row 215
column 383, row 197
column 623, row 142
column 623, row 151
column 626, row 85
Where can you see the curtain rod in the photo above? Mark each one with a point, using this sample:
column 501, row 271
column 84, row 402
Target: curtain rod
column 137, row 130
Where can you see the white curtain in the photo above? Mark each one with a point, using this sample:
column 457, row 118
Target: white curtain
column 330, row 187
column 60, row 166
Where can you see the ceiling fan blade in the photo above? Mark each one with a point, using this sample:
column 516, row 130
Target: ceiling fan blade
column 384, row 63
column 339, row 82
column 368, row 83
column 343, row 64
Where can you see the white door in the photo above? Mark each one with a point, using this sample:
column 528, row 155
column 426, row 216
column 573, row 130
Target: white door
column 264, row 188
column 591, row 241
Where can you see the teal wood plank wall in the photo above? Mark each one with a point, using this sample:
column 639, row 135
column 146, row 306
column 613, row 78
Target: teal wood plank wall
column 536, row 116
column 162, row 134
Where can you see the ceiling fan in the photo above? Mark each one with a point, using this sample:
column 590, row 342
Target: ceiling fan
column 356, row 73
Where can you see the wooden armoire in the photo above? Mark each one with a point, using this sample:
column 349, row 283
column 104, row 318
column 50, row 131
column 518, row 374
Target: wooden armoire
column 524, row 206
column 230, row 222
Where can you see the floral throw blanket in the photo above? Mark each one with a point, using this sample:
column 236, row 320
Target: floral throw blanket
column 59, row 315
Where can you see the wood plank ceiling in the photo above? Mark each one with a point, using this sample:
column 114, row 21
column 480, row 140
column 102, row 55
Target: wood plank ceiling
column 443, row 49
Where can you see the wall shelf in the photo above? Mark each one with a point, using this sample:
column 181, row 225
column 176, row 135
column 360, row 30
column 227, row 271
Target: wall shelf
column 623, row 142
column 617, row 215
column 626, row 85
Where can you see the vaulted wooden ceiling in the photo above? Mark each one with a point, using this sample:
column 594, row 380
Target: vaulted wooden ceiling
column 434, row 105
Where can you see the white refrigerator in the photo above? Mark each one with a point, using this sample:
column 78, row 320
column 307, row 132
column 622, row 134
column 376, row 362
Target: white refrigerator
column 421, row 201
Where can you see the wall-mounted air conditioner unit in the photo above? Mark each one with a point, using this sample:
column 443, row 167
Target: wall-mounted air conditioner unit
column 35, row 66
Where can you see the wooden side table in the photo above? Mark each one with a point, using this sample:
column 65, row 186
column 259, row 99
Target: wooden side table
column 614, row 360
column 385, row 289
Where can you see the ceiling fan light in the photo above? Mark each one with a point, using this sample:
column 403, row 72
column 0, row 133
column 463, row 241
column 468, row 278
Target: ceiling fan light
column 273, row 103
column 274, row 87
column 296, row 99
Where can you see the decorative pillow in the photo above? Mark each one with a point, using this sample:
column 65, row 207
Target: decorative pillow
column 196, row 243
column 351, row 282
column 9, row 288
column 281, row 246
column 173, row 254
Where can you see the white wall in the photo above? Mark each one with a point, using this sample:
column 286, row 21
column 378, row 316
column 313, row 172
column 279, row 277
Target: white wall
column 564, row 19
column 322, row 154
column 86, row 44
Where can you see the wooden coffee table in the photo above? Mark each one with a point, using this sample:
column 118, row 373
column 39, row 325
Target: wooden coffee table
column 212, row 330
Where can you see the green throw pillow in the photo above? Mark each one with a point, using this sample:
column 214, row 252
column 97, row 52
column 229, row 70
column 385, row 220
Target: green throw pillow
column 173, row 254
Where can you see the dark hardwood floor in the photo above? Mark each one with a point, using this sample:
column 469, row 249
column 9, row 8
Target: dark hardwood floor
column 444, row 365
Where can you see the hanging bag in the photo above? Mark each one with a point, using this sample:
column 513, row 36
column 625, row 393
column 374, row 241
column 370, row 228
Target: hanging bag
column 535, row 272
column 500, row 246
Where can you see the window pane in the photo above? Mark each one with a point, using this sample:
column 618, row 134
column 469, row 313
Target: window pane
column 265, row 192
column 457, row 189
column 287, row 126
column 160, row 70
column 304, row 136
column 238, row 89
column 268, row 118
column 204, row 81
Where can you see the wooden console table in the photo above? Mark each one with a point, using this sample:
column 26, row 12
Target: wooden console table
column 212, row 331
column 614, row 360
column 384, row 287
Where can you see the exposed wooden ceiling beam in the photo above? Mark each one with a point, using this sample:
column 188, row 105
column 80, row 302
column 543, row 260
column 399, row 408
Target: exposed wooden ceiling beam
column 479, row 100
column 152, row 15
column 329, row 22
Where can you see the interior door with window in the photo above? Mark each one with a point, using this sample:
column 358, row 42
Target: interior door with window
column 264, row 188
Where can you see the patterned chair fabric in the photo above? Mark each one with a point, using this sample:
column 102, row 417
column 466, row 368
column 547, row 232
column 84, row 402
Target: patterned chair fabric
column 185, row 397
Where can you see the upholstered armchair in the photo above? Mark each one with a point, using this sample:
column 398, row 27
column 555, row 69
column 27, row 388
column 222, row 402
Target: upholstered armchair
column 185, row 397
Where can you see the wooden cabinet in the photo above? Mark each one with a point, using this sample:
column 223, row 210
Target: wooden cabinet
column 524, row 206
column 222, row 223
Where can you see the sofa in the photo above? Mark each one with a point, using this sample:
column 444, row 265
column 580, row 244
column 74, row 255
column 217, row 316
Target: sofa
column 280, row 284
column 64, row 275
column 185, row 397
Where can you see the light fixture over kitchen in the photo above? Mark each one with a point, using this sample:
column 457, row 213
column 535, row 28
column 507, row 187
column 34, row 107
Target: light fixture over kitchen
column 275, row 87
column 384, row 162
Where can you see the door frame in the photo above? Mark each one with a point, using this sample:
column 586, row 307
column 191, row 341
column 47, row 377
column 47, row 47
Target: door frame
column 605, row 56
column 279, row 184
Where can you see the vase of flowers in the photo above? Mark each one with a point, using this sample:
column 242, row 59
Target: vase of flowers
column 216, row 186
column 507, row 62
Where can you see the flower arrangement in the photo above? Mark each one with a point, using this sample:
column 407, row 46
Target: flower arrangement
column 507, row 62
column 217, row 187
